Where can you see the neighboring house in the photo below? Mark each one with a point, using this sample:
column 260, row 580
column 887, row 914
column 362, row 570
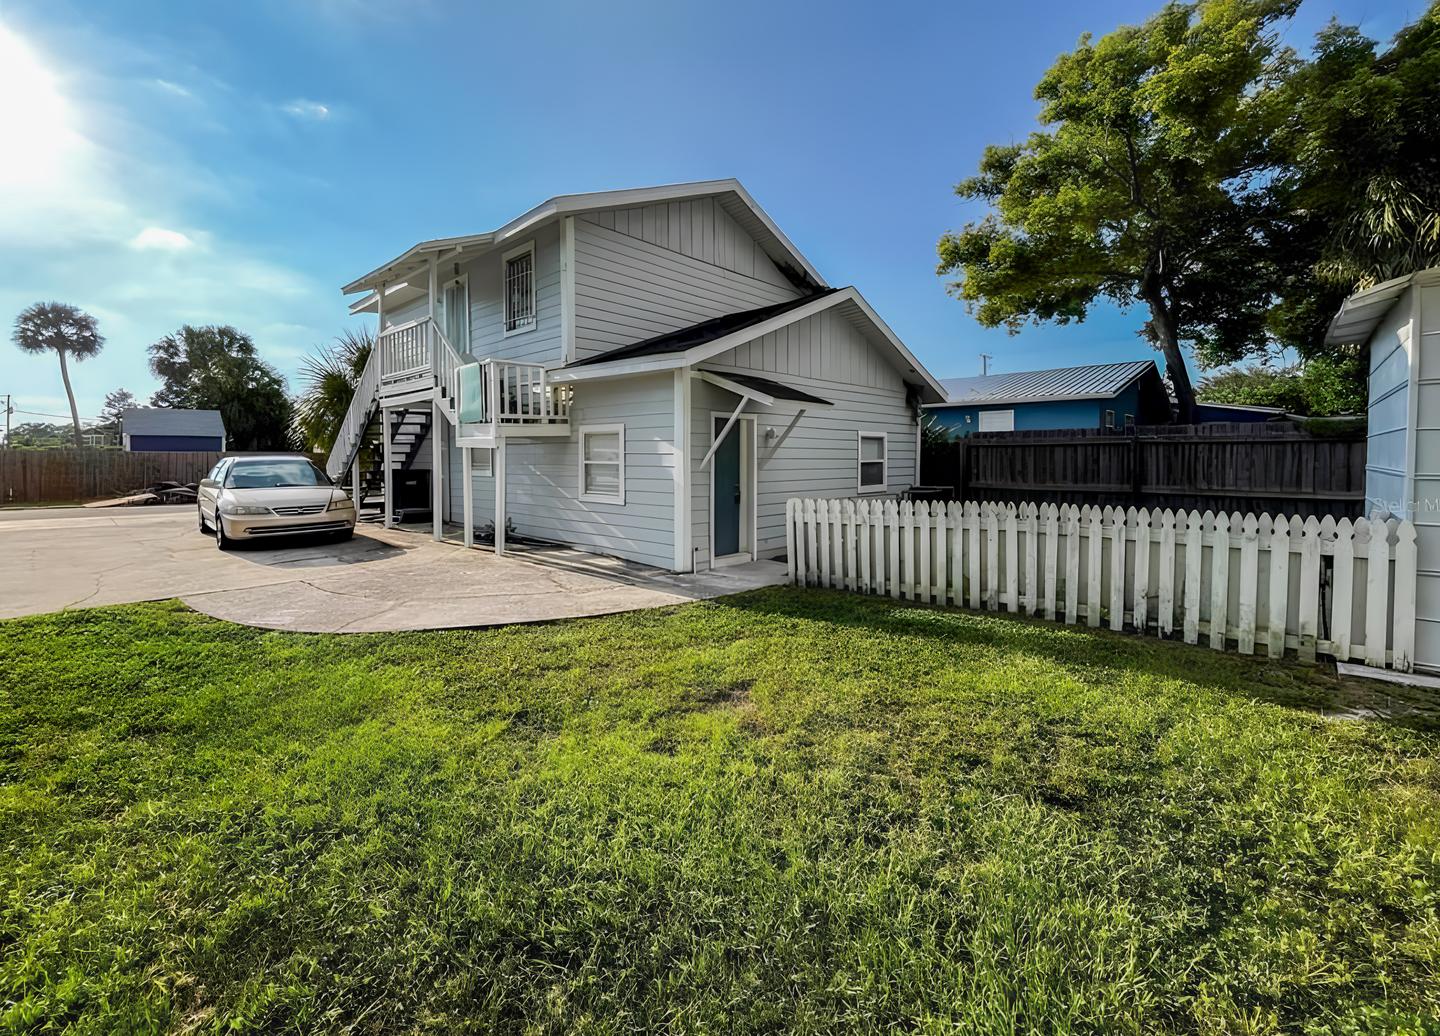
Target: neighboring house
column 659, row 370
column 1236, row 413
column 1106, row 395
column 165, row 430
column 1398, row 322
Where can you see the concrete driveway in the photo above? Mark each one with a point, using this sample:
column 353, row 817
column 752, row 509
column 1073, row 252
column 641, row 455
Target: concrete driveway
column 57, row 558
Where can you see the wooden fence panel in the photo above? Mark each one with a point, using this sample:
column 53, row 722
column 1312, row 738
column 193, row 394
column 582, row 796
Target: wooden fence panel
column 1255, row 468
column 1239, row 581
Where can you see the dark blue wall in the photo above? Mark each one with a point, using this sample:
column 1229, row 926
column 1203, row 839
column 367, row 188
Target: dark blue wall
column 1068, row 413
column 175, row 444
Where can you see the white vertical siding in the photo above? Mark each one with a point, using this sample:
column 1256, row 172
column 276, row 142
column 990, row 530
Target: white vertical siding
column 818, row 455
column 1389, row 412
column 1417, row 314
column 645, row 271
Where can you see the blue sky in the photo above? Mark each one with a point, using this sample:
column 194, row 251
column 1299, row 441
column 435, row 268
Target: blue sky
column 235, row 163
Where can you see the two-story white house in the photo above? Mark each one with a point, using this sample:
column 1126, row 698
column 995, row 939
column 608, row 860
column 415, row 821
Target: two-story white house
column 658, row 370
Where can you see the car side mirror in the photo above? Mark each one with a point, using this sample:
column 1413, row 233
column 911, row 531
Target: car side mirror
column 209, row 483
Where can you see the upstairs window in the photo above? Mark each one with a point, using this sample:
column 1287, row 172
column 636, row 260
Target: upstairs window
column 872, row 463
column 519, row 289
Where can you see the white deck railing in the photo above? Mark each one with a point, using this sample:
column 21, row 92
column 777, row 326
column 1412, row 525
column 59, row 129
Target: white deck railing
column 405, row 351
column 1237, row 580
column 521, row 393
column 357, row 418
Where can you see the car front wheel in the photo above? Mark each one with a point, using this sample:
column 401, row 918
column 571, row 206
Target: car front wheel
column 221, row 540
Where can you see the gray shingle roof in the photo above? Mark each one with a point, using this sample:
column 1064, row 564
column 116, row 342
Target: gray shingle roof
column 165, row 421
column 1097, row 381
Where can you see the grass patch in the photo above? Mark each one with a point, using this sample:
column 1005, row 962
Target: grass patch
column 782, row 811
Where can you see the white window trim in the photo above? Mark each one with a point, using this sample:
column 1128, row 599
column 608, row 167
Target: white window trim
column 884, row 486
column 1109, row 418
column 519, row 250
column 600, row 429
column 980, row 424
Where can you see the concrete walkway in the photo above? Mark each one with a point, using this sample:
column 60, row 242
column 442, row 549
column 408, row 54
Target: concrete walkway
column 382, row 580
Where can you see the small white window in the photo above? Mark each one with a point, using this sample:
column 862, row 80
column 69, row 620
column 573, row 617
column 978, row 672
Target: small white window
column 482, row 462
column 602, row 463
column 997, row 420
column 872, row 463
column 1109, row 419
column 1129, row 420
column 519, row 288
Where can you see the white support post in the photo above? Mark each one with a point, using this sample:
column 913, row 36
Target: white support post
column 467, row 487
column 355, row 483
column 385, row 467
column 499, row 463
column 437, row 472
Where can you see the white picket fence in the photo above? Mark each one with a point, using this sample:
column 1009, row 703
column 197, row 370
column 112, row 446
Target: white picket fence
column 1237, row 581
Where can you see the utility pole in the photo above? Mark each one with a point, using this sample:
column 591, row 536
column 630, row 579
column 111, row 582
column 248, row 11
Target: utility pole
column 985, row 359
column 8, row 411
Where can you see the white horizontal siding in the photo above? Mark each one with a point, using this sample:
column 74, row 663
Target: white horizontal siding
column 826, row 356
column 543, row 475
column 629, row 288
column 540, row 344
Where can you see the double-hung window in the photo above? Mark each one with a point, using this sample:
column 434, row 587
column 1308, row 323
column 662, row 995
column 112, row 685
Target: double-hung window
column 602, row 463
column 872, row 463
column 519, row 288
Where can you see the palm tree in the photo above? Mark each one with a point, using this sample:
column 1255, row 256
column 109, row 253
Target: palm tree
column 330, row 375
column 66, row 329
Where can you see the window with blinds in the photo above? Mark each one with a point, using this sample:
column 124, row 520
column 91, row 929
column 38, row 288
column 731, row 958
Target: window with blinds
column 872, row 463
column 519, row 289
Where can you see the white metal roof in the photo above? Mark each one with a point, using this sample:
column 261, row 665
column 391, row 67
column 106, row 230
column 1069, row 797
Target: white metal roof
column 1362, row 312
column 1097, row 381
column 731, row 194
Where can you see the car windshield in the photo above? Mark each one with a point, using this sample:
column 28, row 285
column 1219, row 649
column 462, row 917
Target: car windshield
column 273, row 474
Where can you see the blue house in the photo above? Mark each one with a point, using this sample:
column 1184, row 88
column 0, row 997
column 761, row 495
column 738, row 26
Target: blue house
column 1107, row 395
column 162, row 429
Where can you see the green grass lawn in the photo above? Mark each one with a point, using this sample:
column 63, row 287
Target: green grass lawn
column 787, row 810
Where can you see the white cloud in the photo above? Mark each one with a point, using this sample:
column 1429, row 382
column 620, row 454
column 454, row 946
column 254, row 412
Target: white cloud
column 158, row 238
column 313, row 111
column 171, row 88
column 92, row 216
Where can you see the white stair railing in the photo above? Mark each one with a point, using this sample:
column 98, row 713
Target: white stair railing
column 404, row 351
column 357, row 418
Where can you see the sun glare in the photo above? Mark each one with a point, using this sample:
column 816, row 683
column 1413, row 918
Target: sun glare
column 35, row 119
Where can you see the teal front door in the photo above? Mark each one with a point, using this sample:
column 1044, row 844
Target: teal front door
column 727, row 495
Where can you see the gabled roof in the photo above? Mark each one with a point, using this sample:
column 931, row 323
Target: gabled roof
column 1097, row 381
column 699, row 342
column 168, row 421
column 1362, row 312
column 729, row 193
column 702, row 333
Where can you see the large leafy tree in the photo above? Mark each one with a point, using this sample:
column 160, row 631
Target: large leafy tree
column 330, row 375
column 67, row 331
column 218, row 368
column 1323, row 386
column 1148, row 186
column 1363, row 188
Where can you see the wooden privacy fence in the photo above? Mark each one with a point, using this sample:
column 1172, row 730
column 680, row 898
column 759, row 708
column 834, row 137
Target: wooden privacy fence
column 66, row 476
column 1340, row 588
column 1220, row 467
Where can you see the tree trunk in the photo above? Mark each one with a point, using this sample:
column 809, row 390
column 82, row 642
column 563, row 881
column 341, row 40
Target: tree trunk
column 1165, row 338
column 70, row 394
